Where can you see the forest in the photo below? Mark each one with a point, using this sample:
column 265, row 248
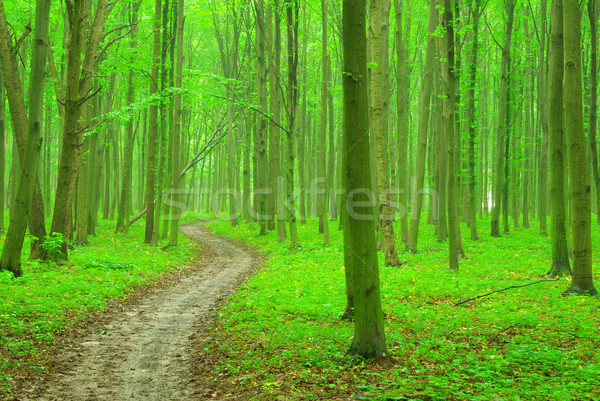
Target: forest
column 299, row 199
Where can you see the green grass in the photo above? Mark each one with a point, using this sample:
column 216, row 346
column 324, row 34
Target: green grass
column 280, row 335
column 51, row 299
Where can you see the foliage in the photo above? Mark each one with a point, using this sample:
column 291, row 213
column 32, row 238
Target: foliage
column 280, row 335
column 51, row 299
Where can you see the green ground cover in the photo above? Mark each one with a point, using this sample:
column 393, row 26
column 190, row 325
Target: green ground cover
column 51, row 299
column 280, row 335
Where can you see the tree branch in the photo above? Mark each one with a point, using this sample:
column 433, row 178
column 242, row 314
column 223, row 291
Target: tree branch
column 503, row 289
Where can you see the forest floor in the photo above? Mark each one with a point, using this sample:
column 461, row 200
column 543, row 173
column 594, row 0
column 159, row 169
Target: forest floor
column 148, row 350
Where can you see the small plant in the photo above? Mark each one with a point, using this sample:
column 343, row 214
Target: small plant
column 53, row 243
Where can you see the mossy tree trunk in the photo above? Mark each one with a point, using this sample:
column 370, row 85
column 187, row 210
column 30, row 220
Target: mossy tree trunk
column 13, row 244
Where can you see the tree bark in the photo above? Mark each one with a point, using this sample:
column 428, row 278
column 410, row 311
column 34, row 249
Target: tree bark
column 417, row 195
column 292, row 31
column 152, row 129
column 379, row 55
column 13, row 244
column 369, row 337
column 502, row 119
column 558, row 234
column 582, row 282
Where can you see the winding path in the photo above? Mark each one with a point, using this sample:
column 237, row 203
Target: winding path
column 144, row 354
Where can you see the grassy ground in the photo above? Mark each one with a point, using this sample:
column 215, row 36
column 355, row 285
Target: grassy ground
column 280, row 336
column 50, row 300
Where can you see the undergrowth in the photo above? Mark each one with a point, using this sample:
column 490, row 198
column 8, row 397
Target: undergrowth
column 280, row 336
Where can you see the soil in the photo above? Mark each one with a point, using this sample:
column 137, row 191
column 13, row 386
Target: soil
column 149, row 350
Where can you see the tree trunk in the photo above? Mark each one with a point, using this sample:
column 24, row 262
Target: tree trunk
column 449, row 92
column 152, row 129
column 322, row 174
column 176, row 170
column 379, row 55
column 500, row 178
column 369, row 337
column 543, row 123
column 76, row 99
column 560, row 254
column 402, row 125
column 472, row 110
column 417, row 195
column 260, row 182
column 16, row 102
column 292, row 30
column 582, row 282
column 13, row 244
column 123, row 212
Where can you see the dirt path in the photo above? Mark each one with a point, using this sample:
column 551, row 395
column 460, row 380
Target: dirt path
column 145, row 353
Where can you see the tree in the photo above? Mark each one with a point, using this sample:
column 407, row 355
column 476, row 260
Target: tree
column 558, row 234
column 369, row 337
column 424, row 109
column 11, row 251
column 582, row 282
column 472, row 110
column 152, row 128
column 125, row 198
column 323, row 204
column 593, row 122
column 503, row 125
column 16, row 102
column 379, row 55
column 543, row 165
column 77, row 95
column 293, row 9
column 260, row 145
column 402, row 126
column 448, row 114
column 176, row 173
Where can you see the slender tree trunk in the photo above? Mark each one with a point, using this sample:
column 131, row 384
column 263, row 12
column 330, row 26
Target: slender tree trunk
column 78, row 87
column 543, row 123
column 2, row 153
column 449, row 92
column 558, row 234
column 593, row 122
column 123, row 212
column 417, row 195
column 369, row 337
column 176, row 169
column 292, row 31
column 402, row 126
column 13, row 244
column 16, row 101
column 502, row 119
column 261, row 125
column 472, row 110
column 152, row 129
column 322, row 174
column 379, row 54
column 582, row 282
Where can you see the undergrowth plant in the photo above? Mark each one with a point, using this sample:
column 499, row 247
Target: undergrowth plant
column 281, row 336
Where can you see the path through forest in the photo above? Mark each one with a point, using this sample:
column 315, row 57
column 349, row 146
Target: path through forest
column 147, row 352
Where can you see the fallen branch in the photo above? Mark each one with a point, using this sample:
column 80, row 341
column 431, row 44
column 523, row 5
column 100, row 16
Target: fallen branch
column 503, row 289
